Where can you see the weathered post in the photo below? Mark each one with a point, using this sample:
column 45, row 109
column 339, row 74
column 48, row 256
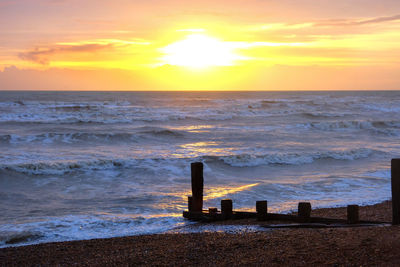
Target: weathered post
column 190, row 203
column 352, row 214
column 226, row 208
column 395, row 191
column 304, row 210
column 262, row 210
column 197, row 186
column 212, row 211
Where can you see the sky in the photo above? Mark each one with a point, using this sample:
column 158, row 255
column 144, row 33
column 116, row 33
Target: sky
column 199, row 45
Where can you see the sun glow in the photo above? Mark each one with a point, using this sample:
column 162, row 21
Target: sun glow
column 199, row 51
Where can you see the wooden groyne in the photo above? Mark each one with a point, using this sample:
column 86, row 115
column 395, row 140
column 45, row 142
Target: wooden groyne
column 395, row 173
column 304, row 215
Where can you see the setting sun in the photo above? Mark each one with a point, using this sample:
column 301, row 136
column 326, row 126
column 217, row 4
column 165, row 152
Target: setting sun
column 199, row 51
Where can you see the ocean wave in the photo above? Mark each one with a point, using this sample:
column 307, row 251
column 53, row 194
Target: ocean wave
column 44, row 119
column 76, row 108
column 179, row 166
column 91, row 117
column 66, row 138
column 321, row 115
column 380, row 127
column 15, row 238
column 270, row 104
column 109, row 113
column 65, row 105
column 76, row 137
column 81, row 227
column 158, row 131
column 171, row 167
column 386, row 107
column 248, row 160
column 62, row 167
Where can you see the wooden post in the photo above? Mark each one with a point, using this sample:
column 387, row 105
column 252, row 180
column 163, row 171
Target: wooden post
column 190, row 203
column 226, row 208
column 304, row 210
column 197, row 186
column 352, row 214
column 396, row 191
column 262, row 210
column 212, row 211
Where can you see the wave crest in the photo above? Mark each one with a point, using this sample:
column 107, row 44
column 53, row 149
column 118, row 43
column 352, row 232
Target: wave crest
column 248, row 160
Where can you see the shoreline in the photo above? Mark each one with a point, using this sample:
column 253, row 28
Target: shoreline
column 376, row 245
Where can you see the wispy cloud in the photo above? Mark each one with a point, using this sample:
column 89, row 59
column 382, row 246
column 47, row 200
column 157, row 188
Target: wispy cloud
column 281, row 26
column 41, row 55
column 354, row 22
column 324, row 23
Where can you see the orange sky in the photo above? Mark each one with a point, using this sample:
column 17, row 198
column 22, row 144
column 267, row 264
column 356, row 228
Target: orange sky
column 199, row 45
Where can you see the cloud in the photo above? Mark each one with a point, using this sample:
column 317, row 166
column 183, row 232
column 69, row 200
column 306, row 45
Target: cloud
column 323, row 23
column 41, row 55
column 359, row 22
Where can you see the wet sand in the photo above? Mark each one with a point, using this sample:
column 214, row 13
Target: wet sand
column 349, row 246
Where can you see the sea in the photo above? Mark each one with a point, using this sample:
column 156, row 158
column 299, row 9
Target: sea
column 84, row 165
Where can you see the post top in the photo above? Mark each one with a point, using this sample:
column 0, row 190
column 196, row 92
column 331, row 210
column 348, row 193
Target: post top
column 197, row 164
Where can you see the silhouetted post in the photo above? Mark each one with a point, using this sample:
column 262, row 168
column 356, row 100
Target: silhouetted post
column 304, row 210
column 352, row 214
column 212, row 211
column 396, row 191
column 226, row 208
column 190, row 203
column 197, row 186
column 262, row 210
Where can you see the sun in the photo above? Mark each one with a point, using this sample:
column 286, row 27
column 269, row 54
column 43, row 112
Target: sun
column 199, row 51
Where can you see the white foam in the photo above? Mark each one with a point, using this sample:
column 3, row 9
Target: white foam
column 379, row 127
column 84, row 227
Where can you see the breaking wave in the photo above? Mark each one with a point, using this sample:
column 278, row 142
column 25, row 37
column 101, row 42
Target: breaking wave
column 79, row 137
column 248, row 160
column 177, row 166
column 380, row 127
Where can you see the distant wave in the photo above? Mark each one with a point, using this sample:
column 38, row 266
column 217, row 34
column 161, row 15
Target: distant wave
column 175, row 166
column 66, row 138
column 248, row 160
column 77, row 137
column 321, row 115
column 77, row 108
column 62, row 119
column 380, row 127
column 62, row 167
column 158, row 131
column 61, row 104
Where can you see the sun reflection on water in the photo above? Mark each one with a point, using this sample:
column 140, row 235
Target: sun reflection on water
column 205, row 148
column 218, row 192
column 215, row 191
column 194, row 128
